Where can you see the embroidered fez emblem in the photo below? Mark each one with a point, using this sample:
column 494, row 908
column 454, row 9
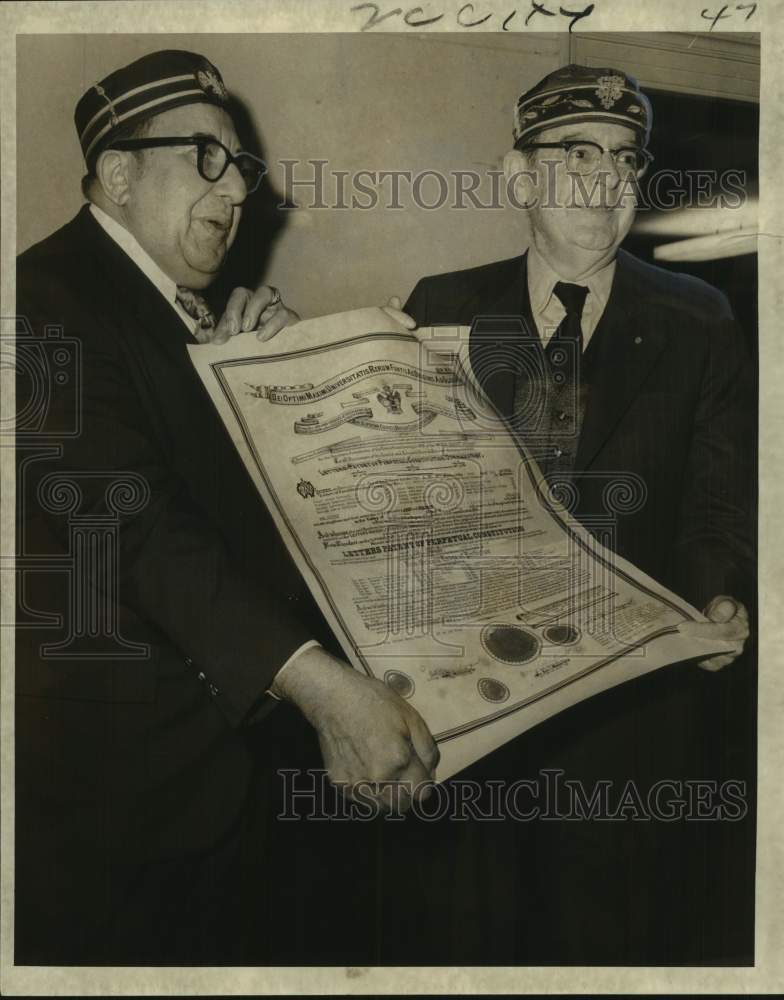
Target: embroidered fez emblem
column 112, row 113
column 211, row 83
column 609, row 90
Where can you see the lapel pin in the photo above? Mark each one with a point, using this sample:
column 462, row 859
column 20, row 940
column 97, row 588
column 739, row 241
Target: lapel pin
column 638, row 340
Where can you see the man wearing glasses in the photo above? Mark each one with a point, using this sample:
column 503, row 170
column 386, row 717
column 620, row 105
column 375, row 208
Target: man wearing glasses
column 133, row 767
column 631, row 387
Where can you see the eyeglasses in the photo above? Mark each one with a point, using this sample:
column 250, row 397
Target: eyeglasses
column 584, row 156
column 213, row 158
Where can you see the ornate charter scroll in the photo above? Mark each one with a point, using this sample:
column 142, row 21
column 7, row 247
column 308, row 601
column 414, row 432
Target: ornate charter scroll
column 429, row 539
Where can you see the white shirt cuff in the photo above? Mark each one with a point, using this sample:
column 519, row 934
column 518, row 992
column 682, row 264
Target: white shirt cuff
column 310, row 644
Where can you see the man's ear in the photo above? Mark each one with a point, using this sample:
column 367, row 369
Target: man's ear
column 113, row 169
column 521, row 179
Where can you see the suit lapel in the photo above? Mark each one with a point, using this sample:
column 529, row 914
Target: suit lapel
column 632, row 339
column 494, row 312
column 157, row 340
column 123, row 282
column 182, row 420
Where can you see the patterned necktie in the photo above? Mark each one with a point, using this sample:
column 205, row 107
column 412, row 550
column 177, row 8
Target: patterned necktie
column 196, row 307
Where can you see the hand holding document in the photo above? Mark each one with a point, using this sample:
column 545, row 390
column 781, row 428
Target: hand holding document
column 428, row 537
column 374, row 744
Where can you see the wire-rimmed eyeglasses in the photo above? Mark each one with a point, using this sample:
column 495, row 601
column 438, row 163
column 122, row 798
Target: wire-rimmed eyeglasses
column 584, row 156
column 213, row 159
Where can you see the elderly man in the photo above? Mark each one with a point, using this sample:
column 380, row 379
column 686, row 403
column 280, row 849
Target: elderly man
column 133, row 770
column 613, row 371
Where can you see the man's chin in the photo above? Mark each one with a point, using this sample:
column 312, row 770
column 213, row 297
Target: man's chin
column 204, row 270
column 594, row 236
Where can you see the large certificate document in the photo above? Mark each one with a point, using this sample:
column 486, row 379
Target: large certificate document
column 442, row 561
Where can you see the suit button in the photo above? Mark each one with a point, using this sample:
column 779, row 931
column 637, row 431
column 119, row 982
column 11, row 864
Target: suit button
column 213, row 690
column 202, row 676
column 188, row 661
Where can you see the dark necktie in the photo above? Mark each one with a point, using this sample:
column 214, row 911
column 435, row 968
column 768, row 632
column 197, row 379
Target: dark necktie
column 196, row 307
column 569, row 335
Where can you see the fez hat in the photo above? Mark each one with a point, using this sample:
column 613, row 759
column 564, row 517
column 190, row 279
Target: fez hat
column 135, row 93
column 582, row 94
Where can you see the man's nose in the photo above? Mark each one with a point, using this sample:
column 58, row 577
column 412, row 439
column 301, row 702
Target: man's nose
column 610, row 169
column 232, row 186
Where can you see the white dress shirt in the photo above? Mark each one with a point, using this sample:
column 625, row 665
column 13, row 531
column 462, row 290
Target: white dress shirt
column 168, row 289
column 546, row 307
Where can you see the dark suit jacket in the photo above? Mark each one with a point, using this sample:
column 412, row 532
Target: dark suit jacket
column 670, row 403
column 147, row 746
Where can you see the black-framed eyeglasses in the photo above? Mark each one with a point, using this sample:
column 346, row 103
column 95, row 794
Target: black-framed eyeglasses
column 584, row 156
column 213, row 159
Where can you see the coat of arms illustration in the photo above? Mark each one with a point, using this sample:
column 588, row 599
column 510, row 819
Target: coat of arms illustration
column 390, row 399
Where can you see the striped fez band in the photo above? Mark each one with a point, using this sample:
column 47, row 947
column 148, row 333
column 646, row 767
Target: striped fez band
column 582, row 94
column 129, row 96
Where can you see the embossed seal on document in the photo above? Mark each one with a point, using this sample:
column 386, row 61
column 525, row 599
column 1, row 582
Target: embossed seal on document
column 562, row 635
column 510, row 643
column 492, row 690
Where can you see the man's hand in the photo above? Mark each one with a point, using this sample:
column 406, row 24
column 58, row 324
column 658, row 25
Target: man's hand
column 728, row 620
column 263, row 311
column 259, row 310
column 394, row 310
column 367, row 733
